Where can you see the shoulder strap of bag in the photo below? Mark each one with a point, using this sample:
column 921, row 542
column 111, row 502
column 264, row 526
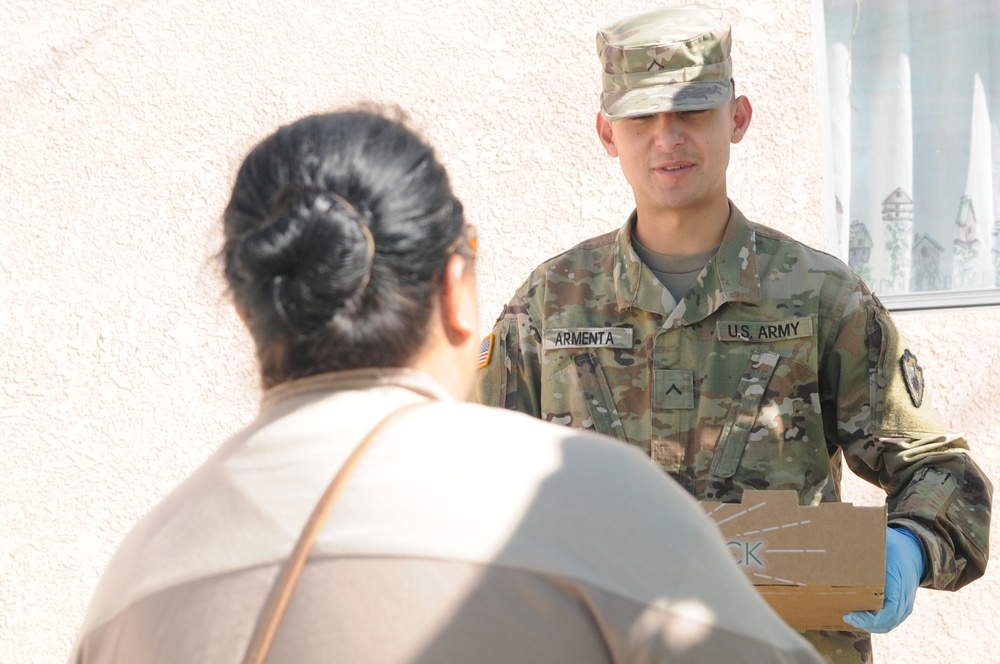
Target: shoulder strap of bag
column 281, row 593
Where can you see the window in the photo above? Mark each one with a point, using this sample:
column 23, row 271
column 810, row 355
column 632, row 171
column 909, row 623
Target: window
column 913, row 126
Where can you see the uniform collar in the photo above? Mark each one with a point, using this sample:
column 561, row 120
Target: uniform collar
column 731, row 276
column 357, row 379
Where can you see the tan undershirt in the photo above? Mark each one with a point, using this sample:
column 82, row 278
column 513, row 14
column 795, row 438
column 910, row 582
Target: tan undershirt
column 676, row 273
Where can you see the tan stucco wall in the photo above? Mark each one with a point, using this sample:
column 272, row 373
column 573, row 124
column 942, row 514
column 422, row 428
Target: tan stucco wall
column 122, row 126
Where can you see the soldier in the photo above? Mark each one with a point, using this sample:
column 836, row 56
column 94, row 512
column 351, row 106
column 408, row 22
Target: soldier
column 734, row 356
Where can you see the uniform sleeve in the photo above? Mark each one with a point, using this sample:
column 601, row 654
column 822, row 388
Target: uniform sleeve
column 877, row 409
column 511, row 375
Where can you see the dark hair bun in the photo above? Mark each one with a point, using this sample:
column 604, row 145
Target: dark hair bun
column 309, row 206
column 316, row 252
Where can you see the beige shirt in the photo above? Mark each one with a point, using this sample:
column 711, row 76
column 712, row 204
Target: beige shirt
column 466, row 534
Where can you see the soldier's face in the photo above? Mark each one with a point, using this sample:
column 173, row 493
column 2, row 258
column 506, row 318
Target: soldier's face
column 676, row 161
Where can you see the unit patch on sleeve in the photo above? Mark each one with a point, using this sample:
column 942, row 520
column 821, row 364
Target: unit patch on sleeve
column 913, row 376
column 764, row 331
column 588, row 337
column 485, row 351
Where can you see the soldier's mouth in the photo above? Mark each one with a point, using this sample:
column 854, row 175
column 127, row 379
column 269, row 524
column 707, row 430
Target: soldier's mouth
column 674, row 169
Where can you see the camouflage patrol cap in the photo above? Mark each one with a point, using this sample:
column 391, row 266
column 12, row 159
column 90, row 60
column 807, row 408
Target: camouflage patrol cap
column 669, row 59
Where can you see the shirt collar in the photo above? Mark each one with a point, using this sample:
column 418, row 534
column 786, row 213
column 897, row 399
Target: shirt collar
column 357, row 379
column 731, row 275
column 736, row 262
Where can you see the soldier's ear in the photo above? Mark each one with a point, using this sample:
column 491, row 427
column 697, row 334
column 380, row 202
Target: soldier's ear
column 742, row 113
column 605, row 133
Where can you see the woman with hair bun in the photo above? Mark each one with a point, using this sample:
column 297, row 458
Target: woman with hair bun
column 338, row 234
column 367, row 514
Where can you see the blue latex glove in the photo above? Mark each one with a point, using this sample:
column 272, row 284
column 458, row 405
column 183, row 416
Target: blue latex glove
column 904, row 569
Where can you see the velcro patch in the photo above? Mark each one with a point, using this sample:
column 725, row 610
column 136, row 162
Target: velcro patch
column 485, row 351
column 764, row 331
column 588, row 337
column 673, row 389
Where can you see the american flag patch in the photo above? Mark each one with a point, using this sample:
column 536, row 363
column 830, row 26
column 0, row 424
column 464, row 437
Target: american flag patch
column 485, row 351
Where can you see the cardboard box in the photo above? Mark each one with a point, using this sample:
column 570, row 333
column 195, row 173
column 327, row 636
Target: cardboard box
column 811, row 564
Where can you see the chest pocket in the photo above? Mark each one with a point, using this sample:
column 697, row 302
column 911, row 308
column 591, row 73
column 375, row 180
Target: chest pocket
column 582, row 389
column 743, row 412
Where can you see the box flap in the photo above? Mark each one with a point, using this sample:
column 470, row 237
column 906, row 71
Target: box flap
column 811, row 563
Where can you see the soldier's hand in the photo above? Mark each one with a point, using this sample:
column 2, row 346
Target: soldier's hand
column 904, row 568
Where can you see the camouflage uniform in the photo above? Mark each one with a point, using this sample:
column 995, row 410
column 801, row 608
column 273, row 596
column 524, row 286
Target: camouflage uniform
column 778, row 363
